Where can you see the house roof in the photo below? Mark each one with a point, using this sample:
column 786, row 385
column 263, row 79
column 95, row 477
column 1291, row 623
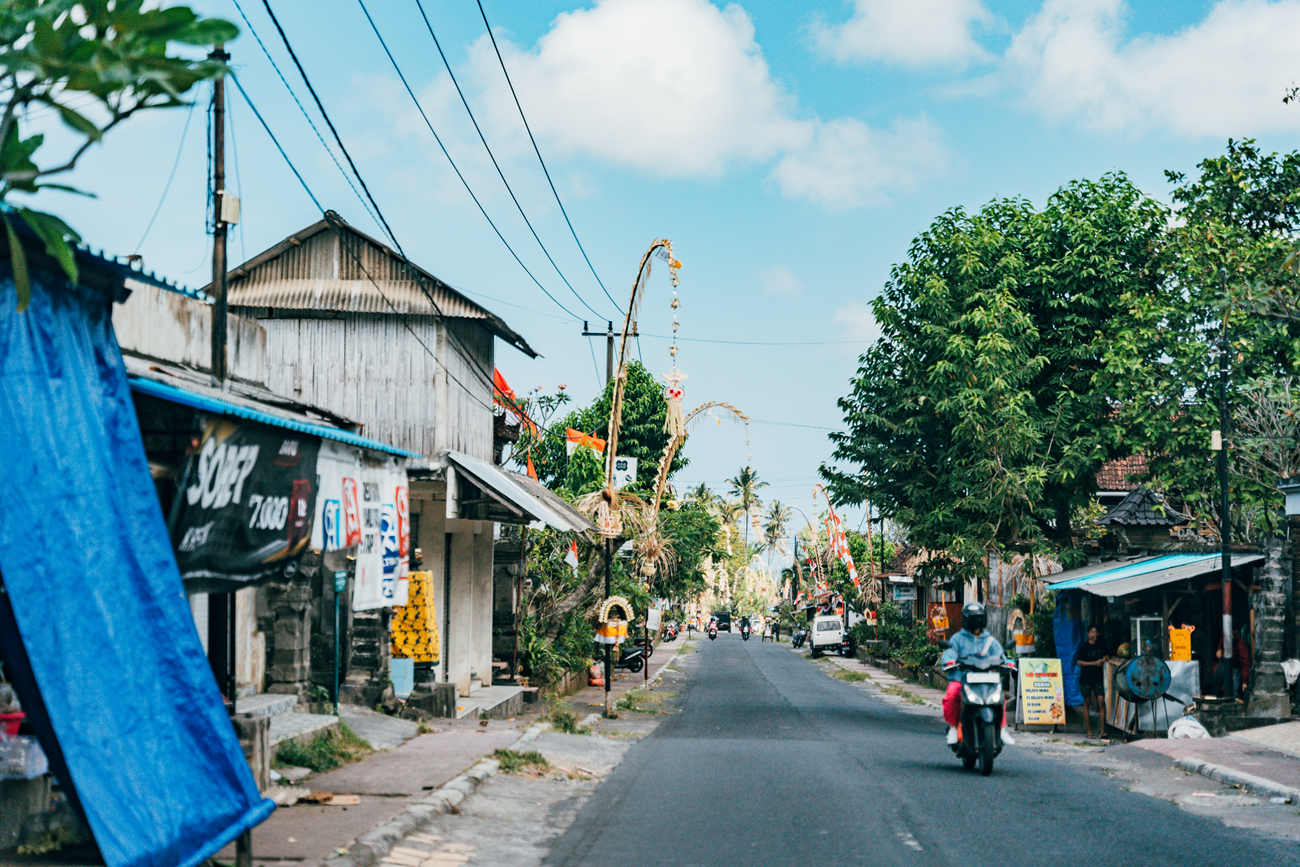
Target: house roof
column 1143, row 507
column 1115, row 475
column 1121, row 578
column 333, row 266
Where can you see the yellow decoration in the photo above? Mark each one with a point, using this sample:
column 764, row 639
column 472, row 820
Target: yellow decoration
column 415, row 628
column 615, row 608
column 1180, row 643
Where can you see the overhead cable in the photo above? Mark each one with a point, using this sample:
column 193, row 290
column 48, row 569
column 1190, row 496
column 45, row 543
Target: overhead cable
column 538, row 151
column 497, row 165
column 364, row 204
column 337, row 139
column 443, row 147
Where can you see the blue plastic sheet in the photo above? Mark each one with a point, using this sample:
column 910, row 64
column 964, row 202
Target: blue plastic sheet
column 1069, row 635
column 142, row 734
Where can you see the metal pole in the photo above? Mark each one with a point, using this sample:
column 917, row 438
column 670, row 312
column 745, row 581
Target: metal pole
column 219, row 309
column 519, row 598
column 646, row 668
column 336, row 647
column 609, row 670
column 232, row 682
column 1225, row 521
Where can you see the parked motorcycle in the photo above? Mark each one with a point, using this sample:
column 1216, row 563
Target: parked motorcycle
column 631, row 657
column 670, row 632
column 798, row 638
column 846, row 647
column 979, row 738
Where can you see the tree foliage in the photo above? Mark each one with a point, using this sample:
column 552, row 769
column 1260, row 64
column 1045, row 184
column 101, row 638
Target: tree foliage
column 980, row 417
column 56, row 53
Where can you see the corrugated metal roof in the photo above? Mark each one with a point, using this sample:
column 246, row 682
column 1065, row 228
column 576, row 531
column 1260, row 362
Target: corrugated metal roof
column 190, row 396
column 513, row 490
column 1123, row 579
column 332, row 266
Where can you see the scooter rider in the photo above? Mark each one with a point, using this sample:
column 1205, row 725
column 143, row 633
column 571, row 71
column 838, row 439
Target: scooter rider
column 971, row 640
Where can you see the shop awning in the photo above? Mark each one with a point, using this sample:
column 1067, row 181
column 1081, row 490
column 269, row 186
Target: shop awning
column 208, row 399
column 1132, row 576
column 509, row 498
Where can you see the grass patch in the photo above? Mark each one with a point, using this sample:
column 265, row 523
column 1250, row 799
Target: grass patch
column 851, row 676
column 563, row 720
column 325, row 752
column 903, row 694
column 687, row 647
column 517, row 760
column 639, row 701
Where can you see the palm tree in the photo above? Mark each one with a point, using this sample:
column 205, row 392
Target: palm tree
column 702, row 495
column 746, row 486
column 728, row 512
column 778, row 521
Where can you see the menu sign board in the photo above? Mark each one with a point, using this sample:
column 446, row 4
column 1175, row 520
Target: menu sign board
column 1042, row 691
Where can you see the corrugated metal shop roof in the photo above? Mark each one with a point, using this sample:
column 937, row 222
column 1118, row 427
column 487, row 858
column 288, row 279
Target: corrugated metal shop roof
column 514, row 492
column 1121, row 579
column 331, row 266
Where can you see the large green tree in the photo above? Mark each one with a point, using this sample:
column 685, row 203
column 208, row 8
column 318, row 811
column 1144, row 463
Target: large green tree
column 979, row 418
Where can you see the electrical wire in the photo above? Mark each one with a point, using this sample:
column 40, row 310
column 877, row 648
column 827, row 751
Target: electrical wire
column 364, row 204
column 538, row 151
column 495, row 164
column 761, row 342
column 594, row 365
column 334, row 132
column 167, row 187
column 454, row 168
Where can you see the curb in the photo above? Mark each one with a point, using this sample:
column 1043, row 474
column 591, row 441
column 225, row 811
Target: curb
column 372, row 846
column 1197, row 765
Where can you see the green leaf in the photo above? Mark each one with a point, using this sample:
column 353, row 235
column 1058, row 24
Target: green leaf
column 22, row 280
column 79, row 122
column 56, row 235
column 208, row 31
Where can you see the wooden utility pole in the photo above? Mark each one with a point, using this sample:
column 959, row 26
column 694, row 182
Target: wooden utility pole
column 219, row 306
column 608, row 334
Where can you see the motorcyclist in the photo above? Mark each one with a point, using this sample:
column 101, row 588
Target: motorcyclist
column 744, row 623
column 970, row 641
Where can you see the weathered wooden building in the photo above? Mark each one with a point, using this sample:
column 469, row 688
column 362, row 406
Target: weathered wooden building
column 354, row 327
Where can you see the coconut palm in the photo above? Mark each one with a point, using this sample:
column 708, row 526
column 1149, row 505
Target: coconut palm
column 777, row 522
column 746, row 486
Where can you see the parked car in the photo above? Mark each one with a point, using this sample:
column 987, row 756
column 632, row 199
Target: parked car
column 826, row 634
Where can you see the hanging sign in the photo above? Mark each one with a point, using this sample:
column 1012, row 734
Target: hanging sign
column 1042, row 691
column 243, row 515
column 1180, row 643
column 624, row 472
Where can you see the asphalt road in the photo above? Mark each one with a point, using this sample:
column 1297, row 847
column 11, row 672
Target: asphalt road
column 771, row 762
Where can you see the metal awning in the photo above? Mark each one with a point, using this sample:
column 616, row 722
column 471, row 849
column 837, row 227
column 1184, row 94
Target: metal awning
column 1132, row 576
column 205, row 399
column 509, row 498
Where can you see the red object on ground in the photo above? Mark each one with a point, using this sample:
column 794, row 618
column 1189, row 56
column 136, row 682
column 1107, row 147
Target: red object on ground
column 594, row 677
column 11, row 721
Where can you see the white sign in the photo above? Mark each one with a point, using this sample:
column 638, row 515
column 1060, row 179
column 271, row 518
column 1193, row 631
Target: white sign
column 624, row 472
column 652, row 620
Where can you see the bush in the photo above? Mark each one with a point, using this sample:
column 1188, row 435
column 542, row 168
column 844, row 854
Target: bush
column 325, row 752
column 516, row 760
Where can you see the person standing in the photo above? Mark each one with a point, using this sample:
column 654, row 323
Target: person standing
column 1092, row 681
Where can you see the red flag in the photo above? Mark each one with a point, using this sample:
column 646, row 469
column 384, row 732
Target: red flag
column 578, row 438
column 532, row 473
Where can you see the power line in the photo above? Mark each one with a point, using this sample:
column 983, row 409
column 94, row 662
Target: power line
column 337, row 139
column 364, row 204
column 761, row 342
column 537, row 151
column 167, row 187
column 495, row 164
column 454, row 168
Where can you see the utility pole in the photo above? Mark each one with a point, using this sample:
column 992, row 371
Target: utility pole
column 219, row 308
column 1225, row 518
column 608, row 334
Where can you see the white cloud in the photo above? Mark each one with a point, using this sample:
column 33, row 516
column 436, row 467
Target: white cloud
column 1223, row 76
column 780, row 281
column 854, row 320
column 849, row 164
column 680, row 88
column 913, row 33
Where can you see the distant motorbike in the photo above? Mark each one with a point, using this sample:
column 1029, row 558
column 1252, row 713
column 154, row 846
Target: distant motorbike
column 744, row 631
column 798, row 638
column 980, row 733
column 846, row 647
column 713, row 631
column 670, row 632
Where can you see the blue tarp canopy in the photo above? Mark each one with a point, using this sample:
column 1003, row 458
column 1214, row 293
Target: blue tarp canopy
column 95, row 628
column 1123, row 578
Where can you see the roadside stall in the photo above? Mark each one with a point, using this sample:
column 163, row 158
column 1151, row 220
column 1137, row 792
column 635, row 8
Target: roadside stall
column 1166, row 607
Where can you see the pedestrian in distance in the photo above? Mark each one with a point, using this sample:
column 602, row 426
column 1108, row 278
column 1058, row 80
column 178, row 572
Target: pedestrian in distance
column 1092, row 681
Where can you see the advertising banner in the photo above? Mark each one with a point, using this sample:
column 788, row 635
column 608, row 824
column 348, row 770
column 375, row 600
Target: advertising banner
column 1042, row 692
column 243, row 514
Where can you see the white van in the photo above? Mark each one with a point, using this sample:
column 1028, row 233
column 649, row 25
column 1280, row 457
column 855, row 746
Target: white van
column 826, row 634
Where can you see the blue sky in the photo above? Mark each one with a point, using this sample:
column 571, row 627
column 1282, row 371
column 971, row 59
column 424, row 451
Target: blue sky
column 790, row 151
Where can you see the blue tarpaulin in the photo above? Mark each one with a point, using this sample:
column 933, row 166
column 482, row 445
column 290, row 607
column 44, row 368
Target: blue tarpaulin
column 1069, row 635
column 127, row 706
